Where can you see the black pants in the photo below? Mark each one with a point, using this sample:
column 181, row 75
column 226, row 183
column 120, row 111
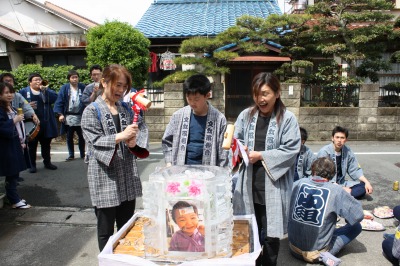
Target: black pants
column 70, row 140
column 45, row 148
column 270, row 245
column 106, row 218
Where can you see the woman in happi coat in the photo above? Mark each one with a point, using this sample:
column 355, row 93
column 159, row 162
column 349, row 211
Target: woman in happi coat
column 12, row 144
column 114, row 143
column 271, row 137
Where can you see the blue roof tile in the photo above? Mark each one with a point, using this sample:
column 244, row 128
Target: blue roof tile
column 187, row 18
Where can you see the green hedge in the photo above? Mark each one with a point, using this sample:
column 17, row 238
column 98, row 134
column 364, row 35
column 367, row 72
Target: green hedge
column 56, row 75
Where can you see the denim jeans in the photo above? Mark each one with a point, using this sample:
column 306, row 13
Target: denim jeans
column 11, row 188
column 70, row 140
column 343, row 236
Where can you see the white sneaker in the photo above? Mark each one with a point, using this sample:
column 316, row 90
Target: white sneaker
column 21, row 205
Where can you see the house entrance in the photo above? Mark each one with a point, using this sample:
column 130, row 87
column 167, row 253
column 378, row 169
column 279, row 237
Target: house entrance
column 238, row 91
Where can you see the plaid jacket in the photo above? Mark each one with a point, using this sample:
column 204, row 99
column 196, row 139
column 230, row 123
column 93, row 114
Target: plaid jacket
column 112, row 174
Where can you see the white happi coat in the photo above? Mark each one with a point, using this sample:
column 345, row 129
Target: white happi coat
column 112, row 174
column 282, row 145
column 176, row 136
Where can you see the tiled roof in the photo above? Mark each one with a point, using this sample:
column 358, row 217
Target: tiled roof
column 12, row 35
column 77, row 18
column 186, row 18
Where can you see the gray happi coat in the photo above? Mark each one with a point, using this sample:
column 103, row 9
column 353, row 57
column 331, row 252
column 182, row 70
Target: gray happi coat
column 176, row 136
column 112, row 174
column 304, row 161
column 282, row 146
column 350, row 165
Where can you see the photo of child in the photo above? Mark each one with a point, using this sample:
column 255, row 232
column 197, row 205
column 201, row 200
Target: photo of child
column 190, row 236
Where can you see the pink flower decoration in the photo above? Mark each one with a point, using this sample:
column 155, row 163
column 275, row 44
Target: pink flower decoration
column 173, row 187
column 194, row 189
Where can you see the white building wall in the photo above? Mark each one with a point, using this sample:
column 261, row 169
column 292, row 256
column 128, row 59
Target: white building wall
column 28, row 18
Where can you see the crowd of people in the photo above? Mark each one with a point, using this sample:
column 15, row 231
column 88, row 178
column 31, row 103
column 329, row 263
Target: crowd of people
column 288, row 189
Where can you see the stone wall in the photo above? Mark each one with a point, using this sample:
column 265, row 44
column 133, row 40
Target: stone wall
column 366, row 122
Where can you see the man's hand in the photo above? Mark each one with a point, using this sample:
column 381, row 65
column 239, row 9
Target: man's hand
column 368, row 188
column 61, row 118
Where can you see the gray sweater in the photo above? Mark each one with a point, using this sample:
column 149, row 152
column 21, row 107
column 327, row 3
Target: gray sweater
column 20, row 102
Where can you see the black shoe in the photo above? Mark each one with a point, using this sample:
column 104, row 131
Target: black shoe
column 50, row 166
column 32, row 169
column 82, row 156
column 70, row 158
column 20, row 179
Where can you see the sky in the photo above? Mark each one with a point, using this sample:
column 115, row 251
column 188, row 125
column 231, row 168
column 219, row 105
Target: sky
column 122, row 10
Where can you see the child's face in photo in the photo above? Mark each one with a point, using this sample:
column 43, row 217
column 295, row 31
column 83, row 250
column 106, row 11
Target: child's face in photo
column 187, row 222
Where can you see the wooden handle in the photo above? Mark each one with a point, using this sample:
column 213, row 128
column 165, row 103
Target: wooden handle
column 144, row 101
column 230, row 129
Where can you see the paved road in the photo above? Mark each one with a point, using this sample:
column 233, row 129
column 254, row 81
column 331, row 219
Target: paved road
column 61, row 228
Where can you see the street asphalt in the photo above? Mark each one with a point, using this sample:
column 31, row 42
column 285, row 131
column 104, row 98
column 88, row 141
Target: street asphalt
column 60, row 228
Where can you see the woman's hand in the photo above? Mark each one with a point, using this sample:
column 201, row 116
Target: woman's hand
column 131, row 142
column 61, row 118
column 18, row 118
column 129, row 133
column 254, row 156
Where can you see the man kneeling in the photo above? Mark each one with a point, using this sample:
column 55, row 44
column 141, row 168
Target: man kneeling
column 314, row 207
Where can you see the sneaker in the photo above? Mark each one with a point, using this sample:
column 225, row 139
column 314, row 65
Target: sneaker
column 50, row 166
column 70, row 158
column 21, row 205
column 86, row 160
